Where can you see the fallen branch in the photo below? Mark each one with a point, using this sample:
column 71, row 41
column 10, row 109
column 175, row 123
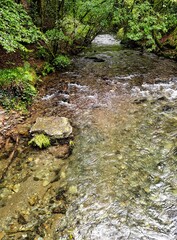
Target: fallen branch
column 10, row 159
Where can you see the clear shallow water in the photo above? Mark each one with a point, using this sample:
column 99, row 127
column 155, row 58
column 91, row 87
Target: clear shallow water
column 124, row 167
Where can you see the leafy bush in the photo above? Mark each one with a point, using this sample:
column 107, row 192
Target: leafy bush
column 43, row 53
column 61, row 62
column 56, row 40
column 146, row 22
column 146, row 25
column 16, row 27
column 17, row 87
column 47, row 68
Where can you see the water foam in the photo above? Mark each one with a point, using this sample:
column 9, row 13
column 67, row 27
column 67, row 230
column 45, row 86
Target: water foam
column 156, row 91
column 105, row 39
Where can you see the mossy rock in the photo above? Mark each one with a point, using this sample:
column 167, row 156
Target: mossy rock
column 54, row 127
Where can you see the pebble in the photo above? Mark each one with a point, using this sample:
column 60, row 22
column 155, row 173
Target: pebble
column 16, row 187
column 33, row 200
column 40, row 175
column 72, row 190
column 63, row 175
column 45, row 183
column 30, row 159
column 120, row 157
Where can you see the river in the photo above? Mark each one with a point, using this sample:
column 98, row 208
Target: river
column 121, row 164
column 121, row 180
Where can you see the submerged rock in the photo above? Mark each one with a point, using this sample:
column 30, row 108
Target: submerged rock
column 60, row 151
column 95, row 59
column 55, row 127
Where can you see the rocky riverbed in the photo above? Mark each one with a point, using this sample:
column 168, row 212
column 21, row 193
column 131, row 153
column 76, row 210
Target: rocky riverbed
column 120, row 180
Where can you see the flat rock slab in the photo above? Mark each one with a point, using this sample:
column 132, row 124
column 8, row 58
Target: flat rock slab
column 55, row 127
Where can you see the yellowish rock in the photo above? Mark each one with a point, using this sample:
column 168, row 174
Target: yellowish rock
column 63, row 175
column 33, row 200
column 72, row 190
column 16, row 187
column 45, row 183
column 2, row 234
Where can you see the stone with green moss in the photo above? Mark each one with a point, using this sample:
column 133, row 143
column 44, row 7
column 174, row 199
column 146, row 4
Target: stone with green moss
column 54, row 127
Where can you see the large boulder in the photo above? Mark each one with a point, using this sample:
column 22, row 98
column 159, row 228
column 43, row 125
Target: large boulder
column 54, row 127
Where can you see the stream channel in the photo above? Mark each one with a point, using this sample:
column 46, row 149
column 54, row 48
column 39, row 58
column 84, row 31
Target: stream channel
column 121, row 180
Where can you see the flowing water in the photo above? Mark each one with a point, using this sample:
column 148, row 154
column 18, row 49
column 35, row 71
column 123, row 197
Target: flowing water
column 123, row 168
column 121, row 179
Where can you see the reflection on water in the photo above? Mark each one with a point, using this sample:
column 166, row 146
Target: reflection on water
column 124, row 162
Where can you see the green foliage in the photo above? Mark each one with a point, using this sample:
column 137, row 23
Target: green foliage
column 55, row 42
column 61, row 62
column 47, row 68
column 71, row 144
column 55, row 38
column 93, row 17
column 42, row 53
column 73, row 23
column 120, row 34
column 16, row 27
column 70, row 25
column 146, row 22
column 75, row 31
column 17, row 87
column 40, row 140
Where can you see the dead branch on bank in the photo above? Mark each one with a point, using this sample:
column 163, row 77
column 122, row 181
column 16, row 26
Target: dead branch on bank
column 10, row 159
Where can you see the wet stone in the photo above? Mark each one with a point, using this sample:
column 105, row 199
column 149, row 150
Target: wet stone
column 59, row 208
column 55, row 127
column 45, row 183
column 60, row 151
column 72, row 190
column 33, row 200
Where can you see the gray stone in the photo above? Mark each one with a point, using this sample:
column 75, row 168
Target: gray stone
column 55, row 127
